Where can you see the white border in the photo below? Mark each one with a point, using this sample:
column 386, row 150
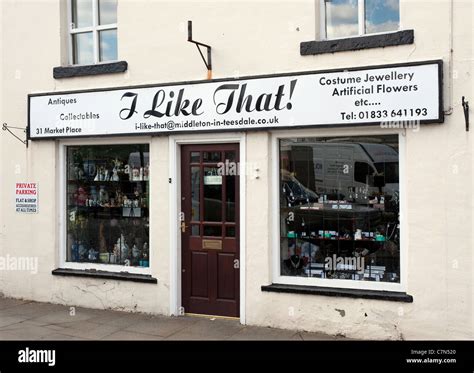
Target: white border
column 174, row 143
column 336, row 283
column 61, row 179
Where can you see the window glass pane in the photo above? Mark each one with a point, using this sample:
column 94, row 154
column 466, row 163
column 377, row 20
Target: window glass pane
column 382, row 15
column 339, row 208
column 230, row 156
column 230, row 198
column 195, row 157
column 83, row 49
column 195, row 193
column 107, row 12
column 107, row 204
column 81, row 13
column 195, row 230
column 108, row 45
column 362, row 172
column 212, row 194
column 230, row 231
column 213, row 230
column 342, row 18
column 211, row 156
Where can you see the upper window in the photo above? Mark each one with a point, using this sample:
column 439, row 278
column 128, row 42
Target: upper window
column 93, row 31
column 343, row 18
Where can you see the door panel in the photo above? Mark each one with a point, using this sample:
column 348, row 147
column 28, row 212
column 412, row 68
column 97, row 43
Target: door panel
column 199, row 283
column 210, row 230
column 225, row 284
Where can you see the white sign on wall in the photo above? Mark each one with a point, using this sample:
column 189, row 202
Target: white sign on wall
column 26, row 197
column 371, row 95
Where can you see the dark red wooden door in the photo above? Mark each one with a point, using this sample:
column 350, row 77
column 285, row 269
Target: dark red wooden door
column 210, row 229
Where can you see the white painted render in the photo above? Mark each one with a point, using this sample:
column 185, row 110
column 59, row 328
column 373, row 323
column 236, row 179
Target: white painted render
column 248, row 38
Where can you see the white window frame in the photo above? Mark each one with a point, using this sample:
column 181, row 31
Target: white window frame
column 95, row 28
column 62, row 205
column 277, row 278
column 361, row 16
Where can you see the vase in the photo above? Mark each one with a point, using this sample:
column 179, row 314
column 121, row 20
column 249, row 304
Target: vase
column 82, row 251
column 103, row 195
column 89, row 168
column 74, row 252
column 94, row 193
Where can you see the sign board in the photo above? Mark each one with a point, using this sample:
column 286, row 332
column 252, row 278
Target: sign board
column 26, row 197
column 380, row 95
column 213, row 180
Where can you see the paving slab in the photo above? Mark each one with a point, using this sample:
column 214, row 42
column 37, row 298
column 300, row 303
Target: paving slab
column 6, row 321
column 217, row 329
column 252, row 333
column 123, row 335
column 61, row 337
column 62, row 316
column 11, row 302
column 32, row 309
column 27, row 320
column 27, row 332
column 87, row 329
column 306, row 336
column 162, row 326
column 122, row 319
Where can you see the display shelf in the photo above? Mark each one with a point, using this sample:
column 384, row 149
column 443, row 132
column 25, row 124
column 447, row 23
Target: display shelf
column 332, row 239
column 105, row 181
column 103, row 207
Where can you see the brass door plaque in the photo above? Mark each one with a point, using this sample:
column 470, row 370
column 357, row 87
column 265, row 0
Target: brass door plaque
column 212, row 244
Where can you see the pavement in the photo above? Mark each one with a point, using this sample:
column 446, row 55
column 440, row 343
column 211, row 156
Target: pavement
column 27, row 320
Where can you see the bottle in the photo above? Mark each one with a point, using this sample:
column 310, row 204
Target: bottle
column 93, row 193
column 103, row 195
column 74, row 252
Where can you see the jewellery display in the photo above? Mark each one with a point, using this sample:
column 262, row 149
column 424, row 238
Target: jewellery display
column 339, row 204
column 107, row 204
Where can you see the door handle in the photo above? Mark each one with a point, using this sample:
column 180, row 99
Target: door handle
column 183, row 227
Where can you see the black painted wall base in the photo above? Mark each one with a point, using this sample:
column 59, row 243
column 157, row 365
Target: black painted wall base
column 340, row 292
column 357, row 43
column 87, row 70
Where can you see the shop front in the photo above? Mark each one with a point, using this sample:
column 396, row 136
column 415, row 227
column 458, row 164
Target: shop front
column 253, row 187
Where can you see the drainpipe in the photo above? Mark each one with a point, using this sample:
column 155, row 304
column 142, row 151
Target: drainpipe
column 316, row 20
column 451, row 60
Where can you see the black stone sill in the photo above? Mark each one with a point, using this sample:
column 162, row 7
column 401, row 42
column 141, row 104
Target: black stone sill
column 124, row 276
column 339, row 292
column 61, row 72
column 391, row 39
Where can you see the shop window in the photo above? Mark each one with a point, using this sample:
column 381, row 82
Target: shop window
column 362, row 172
column 339, row 208
column 107, row 201
column 93, row 31
column 343, row 18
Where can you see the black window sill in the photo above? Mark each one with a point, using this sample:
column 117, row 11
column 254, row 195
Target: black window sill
column 123, row 276
column 339, row 292
column 61, row 72
column 391, row 39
